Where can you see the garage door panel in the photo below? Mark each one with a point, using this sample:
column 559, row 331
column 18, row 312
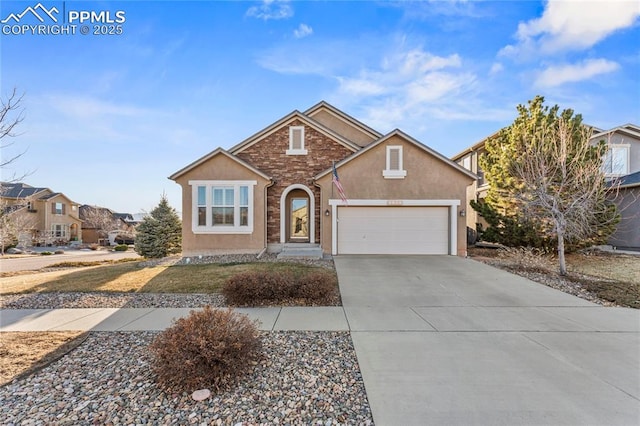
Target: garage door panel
column 393, row 230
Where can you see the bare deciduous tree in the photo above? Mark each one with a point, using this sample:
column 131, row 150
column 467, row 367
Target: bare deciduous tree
column 11, row 114
column 563, row 184
column 16, row 223
column 101, row 220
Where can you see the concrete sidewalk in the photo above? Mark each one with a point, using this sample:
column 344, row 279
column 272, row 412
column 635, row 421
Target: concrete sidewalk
column 329, row 318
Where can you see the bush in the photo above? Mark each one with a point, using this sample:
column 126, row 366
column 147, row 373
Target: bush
column 265, row 287
column 208, row 349
column 93, row 247
column 46, row 253
column 528, row 259
column 59, row 252
column 121, row 247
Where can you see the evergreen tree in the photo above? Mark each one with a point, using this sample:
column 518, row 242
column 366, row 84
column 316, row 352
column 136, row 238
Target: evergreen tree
column 160, row 233
column 546, row 182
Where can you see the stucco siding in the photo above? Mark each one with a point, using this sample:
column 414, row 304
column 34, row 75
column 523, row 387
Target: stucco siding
column 342, row 128
column 428, row 178
column 221, row 167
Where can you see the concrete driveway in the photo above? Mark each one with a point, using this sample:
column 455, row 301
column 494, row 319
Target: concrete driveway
column 447, row 340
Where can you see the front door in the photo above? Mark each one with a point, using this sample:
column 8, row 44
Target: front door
column 299, row 226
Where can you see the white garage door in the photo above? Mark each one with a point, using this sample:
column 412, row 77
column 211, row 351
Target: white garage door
column 393, row 230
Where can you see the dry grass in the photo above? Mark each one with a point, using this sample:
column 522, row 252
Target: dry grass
column 23, row 353
column 132, row 277
column 609, row 276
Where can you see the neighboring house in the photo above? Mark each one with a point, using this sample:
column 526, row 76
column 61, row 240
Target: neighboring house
column 101, row 225
column 52, row 217
column 622, row 161
column 274, row 191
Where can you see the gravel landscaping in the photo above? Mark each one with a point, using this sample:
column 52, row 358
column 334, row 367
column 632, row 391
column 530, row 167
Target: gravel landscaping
column 304, row 378
column 109, row 300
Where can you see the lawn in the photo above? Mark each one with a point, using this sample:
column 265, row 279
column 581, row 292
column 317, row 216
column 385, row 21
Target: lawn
column 132, row 277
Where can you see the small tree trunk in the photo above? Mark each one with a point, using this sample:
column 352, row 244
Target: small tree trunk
column 561, row 259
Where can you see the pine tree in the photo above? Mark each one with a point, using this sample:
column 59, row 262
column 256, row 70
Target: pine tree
column 160, row 233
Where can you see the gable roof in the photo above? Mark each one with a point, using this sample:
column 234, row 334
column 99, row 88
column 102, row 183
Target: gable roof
column 400, row 133
column 322, row 105
column 218, row 151
column 289, row 118
column 19, row 190
column 629, row 129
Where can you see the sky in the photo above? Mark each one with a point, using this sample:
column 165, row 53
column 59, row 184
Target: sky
column 108, row 117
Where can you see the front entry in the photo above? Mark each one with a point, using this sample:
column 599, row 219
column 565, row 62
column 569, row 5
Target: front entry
column 297, row 219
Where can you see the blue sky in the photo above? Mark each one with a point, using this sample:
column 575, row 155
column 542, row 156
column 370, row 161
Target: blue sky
column 108, row 117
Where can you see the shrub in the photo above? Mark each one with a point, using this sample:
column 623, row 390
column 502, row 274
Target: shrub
column 268, row 287
column 59, row 252
column 528, row 259
column 121, row 247
column 210, row 349
column 93, row 247
column 46, row 253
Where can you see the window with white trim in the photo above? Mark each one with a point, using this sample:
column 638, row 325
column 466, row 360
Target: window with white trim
column 394, row 168
column 296, row 141
column 616, row 160
column 224, row 207
column 60, row 230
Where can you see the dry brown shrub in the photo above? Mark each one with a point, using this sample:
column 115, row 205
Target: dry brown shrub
column 268, row 287
column 527, row 259
column 210, row 349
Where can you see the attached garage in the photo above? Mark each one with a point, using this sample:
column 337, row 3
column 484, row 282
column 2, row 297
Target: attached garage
column 395, row 227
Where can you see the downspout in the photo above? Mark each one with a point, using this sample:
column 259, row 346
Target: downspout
column 266, row 218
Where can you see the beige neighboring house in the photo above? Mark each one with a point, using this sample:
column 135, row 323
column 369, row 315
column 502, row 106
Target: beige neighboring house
column 103, row 226
column 622, row 163
column 52, row 218
column 274, row 191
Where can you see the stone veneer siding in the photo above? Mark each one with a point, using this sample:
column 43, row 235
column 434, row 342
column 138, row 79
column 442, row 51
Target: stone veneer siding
column 269, row 156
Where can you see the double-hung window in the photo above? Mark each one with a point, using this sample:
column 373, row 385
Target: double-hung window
column 616, row 160
column 394, row 168
column 224, row 207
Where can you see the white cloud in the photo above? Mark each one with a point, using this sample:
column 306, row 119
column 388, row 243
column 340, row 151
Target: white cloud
column 557, row 75
column 271, row 9
column 573, row 25
column 405, row 88
column 302, row 31
column 496, row 68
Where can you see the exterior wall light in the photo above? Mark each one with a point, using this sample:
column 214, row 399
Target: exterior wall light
column 463, row 213
column 327, row 212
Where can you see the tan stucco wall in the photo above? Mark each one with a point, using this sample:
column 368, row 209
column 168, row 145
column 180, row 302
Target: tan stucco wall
column 342, row 128
column 221, row 167
column 428, row 178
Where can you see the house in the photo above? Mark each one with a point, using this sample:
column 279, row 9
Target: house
column 101, row 225
column 48, row 218
column 274, row 191
column 621, row 163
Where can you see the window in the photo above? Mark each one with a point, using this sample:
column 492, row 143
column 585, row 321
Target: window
column 296, row 141
column 59, row 230
column 466, row 162
column 224, row 207
column 616, row 160
column 57, row 208
column 394, row 168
